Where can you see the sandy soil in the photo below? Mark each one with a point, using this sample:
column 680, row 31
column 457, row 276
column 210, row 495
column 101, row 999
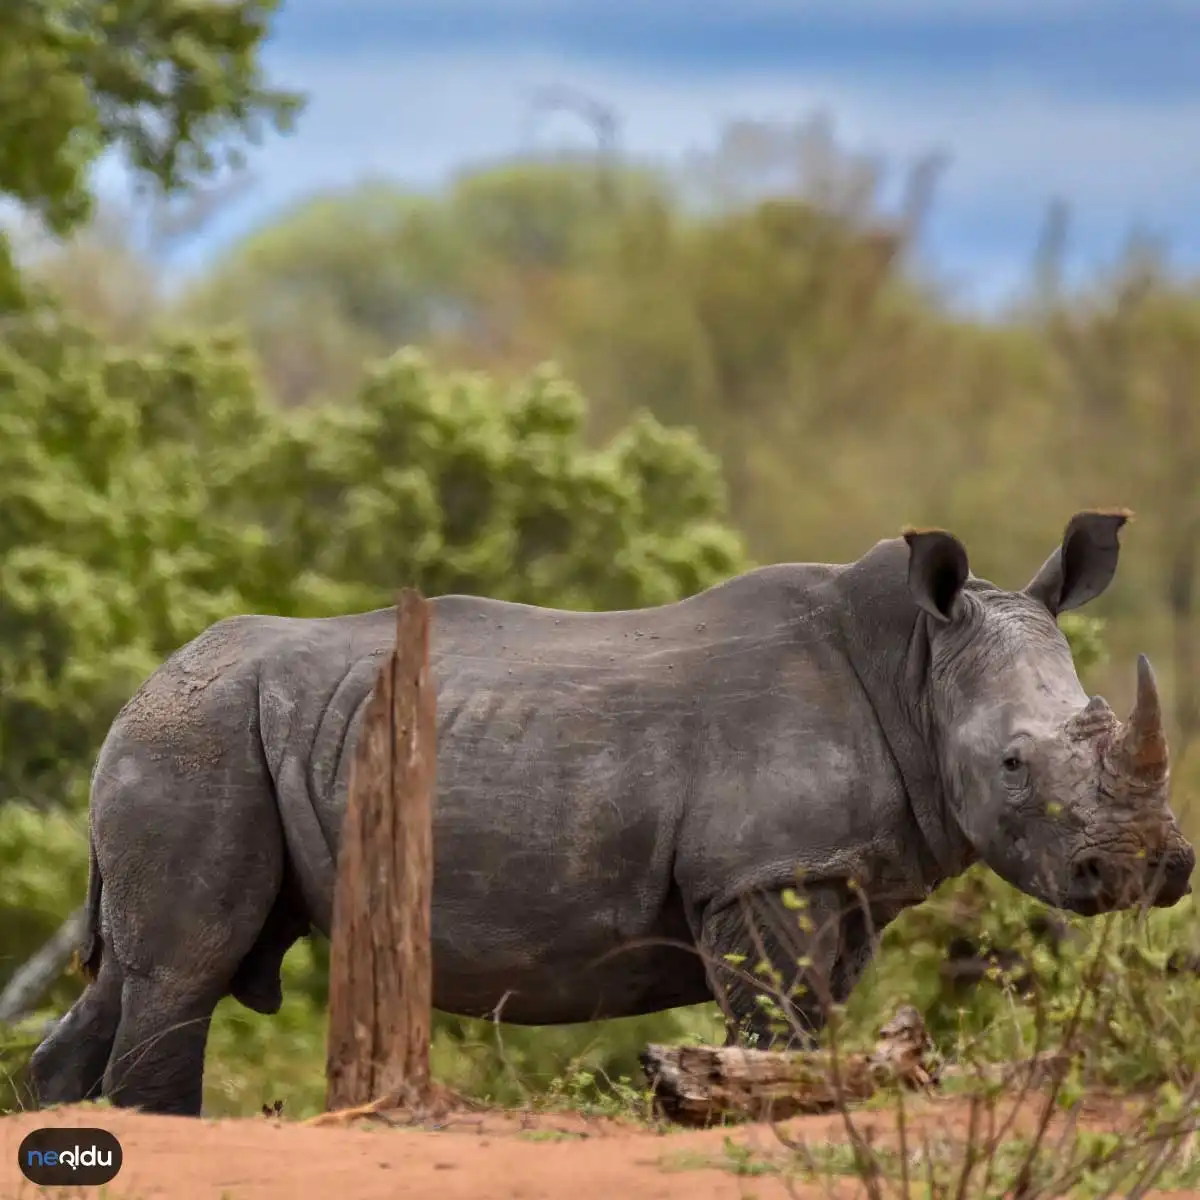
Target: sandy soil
column 463, row 1156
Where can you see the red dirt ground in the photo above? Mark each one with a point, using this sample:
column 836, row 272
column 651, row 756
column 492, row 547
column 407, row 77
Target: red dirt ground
column 490, row 1156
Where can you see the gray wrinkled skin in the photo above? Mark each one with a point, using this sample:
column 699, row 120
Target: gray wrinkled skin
column 616, row 792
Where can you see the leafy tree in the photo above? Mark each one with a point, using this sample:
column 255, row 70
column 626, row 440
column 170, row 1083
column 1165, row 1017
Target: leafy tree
column 771, row 300
column 781, row 325
column 110, row 554
column 474, row 275
column 171, row 84
column 332, row 282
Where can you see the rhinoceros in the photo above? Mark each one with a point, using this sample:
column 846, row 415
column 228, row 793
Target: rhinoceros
column 628, row 803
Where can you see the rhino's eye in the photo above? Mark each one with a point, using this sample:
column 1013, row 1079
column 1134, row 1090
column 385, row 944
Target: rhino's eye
column 1011, row 763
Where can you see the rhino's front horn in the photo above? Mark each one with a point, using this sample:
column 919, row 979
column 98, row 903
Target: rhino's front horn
column 1144, row 743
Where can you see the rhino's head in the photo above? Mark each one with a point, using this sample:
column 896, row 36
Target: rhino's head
column 1052, row 790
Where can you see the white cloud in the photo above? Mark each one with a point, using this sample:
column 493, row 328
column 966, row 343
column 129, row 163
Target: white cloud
column 418, row 118
column 1013, row 147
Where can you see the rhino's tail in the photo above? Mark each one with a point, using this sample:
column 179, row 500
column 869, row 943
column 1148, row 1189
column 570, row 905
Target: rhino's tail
column 91, row 946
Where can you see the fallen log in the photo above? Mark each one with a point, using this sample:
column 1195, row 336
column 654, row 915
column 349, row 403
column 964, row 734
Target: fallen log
column 705, row 1085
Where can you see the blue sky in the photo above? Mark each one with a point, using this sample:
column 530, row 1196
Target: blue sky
column 1093, row 101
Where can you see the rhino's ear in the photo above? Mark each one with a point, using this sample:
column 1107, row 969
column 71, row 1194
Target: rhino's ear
column 1084, row 565
column 937, row 570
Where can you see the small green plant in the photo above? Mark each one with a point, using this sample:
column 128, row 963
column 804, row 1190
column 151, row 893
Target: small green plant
column 592, row 1094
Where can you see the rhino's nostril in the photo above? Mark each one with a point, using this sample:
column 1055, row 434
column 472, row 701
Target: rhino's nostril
column 1090, row 889
column 1088, row 873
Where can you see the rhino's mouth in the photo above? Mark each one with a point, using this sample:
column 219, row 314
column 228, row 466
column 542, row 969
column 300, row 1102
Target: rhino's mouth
column 1171, row 879
column 1098, row 886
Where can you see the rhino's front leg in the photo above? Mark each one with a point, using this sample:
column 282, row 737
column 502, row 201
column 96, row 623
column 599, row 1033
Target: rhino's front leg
column 764, row 953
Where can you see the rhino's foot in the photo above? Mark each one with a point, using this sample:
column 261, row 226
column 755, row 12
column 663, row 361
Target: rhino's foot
column 68, row 1067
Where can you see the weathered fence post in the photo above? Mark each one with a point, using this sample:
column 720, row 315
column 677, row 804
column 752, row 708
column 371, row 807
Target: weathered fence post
column 380, row 985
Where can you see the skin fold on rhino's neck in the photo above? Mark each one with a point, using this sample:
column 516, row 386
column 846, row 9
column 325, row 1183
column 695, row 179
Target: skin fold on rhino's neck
column 887, row 640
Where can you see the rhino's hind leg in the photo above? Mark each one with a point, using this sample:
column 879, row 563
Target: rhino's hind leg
column 191, row 868
column 157, row 1061
column 68, row 1067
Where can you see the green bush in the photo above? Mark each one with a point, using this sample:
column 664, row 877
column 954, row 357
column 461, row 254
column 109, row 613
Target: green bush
column 1046, row 962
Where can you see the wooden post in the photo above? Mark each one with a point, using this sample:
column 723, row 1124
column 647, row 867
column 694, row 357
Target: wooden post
column 380, row 979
